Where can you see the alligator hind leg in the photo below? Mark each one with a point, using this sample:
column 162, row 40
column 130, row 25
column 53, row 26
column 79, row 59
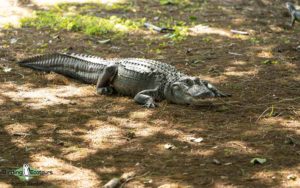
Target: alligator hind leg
column 146, row 98
column 104, row 80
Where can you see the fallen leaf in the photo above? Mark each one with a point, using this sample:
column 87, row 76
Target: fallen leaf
column 104, row 41
column 197, row 140
column 216, row 161
column 169, row 146
column 6, row 69
column 258, row 160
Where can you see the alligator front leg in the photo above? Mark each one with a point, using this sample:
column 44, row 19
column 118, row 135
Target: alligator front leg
column 105, row 78
column 147, row 98
column 293, row 19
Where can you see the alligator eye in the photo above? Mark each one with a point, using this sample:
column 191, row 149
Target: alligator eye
column 204, row 82
column 189, row 82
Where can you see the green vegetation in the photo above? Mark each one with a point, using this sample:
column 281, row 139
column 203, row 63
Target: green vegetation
column 169, row 2
column 91, row 25
column 174, row 2
column 92, row 7
column 180, row 29
column 180, row 33
column 270, row 62
column 254, row 41
column 85, row 18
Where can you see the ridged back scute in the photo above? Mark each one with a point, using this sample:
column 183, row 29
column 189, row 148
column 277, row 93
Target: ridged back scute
column 148, row 66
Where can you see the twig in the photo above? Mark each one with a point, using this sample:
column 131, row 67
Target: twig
column 21, row 134
column 233, row 53
column 21, row 75
column 263, row 113
column 158, row 29
column 134, row 177
column 239, row 32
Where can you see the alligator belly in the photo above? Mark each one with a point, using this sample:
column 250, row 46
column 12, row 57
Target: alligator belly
column 130, row 86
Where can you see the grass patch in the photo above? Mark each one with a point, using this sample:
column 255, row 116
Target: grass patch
column 92, row 7
column 90, row 25
column 270, row 62
column 173, row 2
column 85, row 18
column 180, row 29
column 180, row 33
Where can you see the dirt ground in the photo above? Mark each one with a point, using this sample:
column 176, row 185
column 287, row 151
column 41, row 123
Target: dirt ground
column 60, row 125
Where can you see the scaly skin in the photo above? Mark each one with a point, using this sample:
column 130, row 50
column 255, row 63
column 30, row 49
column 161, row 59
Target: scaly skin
column 147, row 80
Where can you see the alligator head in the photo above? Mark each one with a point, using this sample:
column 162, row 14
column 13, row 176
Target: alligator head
column 191, row 90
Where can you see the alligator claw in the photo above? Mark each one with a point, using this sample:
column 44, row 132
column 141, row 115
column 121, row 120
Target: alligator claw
column 150, row 104
column 105, row 91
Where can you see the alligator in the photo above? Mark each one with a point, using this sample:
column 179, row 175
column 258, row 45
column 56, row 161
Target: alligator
column 295, row 14
column 148, row 81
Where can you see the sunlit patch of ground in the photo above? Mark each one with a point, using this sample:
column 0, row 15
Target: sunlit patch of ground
column 265, row 54
column 103, row 135
column 19, row 128
column 11, row 12
column 53, row 2
column 65, row 172
column 276, row 121
column 202, row 29
column 232, row 71
column 5, row 185
column 290, row 178
column 43, row 97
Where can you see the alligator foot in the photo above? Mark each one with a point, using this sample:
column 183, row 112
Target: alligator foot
column 150, row 104
column 146, row 98
column 105, row 91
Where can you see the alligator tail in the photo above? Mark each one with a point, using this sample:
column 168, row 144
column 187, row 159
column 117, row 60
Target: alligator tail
column 81, row 67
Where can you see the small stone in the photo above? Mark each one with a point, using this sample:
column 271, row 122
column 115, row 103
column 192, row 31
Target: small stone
column 216, row 161
column 148, row 181
column 197, row 140
column 2, row 159
column 292, row 177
